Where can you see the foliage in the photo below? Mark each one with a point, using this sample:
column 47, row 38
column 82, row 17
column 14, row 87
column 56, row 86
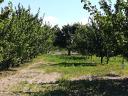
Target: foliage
column 1, row 1
column 109, row 26
column 84, row 40
column 22, row 37
column 65, row 37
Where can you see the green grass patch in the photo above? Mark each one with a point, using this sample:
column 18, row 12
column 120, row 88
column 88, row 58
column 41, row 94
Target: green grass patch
column 75, row 66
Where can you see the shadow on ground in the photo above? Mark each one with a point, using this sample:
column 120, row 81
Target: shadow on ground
column 72, row 57
column 86, row 88
column 7, row 72
column 65, row 64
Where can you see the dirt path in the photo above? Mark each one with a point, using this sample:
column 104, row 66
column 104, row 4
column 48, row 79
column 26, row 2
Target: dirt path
column 28, row 74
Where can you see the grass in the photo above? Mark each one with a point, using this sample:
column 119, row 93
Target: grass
column 75, row 88
column 76, row 66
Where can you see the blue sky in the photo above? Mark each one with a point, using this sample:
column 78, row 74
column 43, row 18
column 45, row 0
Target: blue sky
column 56, row 11
column 59, row 12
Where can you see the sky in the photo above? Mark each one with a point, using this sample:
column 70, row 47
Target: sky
column 59, row 12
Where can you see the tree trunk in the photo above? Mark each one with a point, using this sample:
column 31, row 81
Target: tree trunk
column 69, row 52
column 122, row 65
column 91, row 59
column 107, row 59
column 102, row 57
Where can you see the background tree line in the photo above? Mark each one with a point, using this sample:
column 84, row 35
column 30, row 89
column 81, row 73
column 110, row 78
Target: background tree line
column 105, row 35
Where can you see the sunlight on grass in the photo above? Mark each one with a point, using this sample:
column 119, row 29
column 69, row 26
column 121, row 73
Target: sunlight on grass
column 75, row 66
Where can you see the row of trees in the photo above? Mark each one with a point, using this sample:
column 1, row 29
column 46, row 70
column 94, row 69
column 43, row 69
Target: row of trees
column 105, row 35
column 110, row 27
column 23, row 36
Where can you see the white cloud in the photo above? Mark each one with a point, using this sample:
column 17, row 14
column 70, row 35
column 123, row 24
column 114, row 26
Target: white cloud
column 51, row 20
column 84, row 21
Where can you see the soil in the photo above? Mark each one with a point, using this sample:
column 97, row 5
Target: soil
column 28, row 74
